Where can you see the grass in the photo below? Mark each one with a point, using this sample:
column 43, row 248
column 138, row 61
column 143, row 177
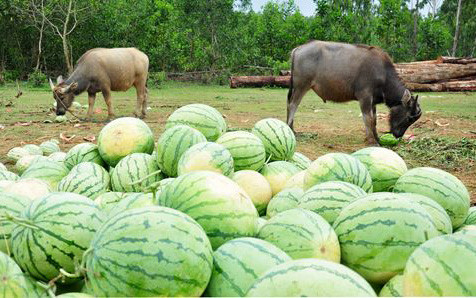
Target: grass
column 445, row 136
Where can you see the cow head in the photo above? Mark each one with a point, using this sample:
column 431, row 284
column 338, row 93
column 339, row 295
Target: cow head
column 404, row 114
column 63, row 94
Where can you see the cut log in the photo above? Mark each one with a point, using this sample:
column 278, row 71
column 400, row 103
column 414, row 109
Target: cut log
column 445, row 86
column 433, row 73
column 455, row 60
column 259, row 81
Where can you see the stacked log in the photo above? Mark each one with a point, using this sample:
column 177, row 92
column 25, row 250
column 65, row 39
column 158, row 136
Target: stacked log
column 442, row 74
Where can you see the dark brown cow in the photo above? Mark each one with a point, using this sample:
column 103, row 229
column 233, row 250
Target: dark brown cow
column 342, row 72
column 104, row 70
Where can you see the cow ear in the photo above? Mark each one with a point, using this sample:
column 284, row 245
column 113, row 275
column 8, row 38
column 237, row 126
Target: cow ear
column 73, row 86
column 52, row 86
column 59, row 80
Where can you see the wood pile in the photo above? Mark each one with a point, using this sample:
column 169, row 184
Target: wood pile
column 442, row 74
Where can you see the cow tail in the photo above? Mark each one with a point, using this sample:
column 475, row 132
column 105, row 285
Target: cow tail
column 290, row 92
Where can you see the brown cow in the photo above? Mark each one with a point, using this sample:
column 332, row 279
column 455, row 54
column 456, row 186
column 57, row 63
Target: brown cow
column 105, row 70
column 342, row 72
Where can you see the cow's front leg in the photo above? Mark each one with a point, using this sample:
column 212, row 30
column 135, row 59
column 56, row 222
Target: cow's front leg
column 91, row 101
column 370, row 120
column 107, row 99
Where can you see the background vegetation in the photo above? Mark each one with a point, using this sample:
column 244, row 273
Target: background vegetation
column 221, row 37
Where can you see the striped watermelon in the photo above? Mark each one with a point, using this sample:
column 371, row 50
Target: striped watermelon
column 33, row 149
column 310, row 278
column 247, row 150
column 302, row 234
column 24, row 162
column 384, row 165
column 393, row 288
column 150, row 251
column 49, row 147
column 57, row 156
column 81, row 153
column 443, row 266
column 12, row 280
column 278, row 173
column 31, row 188
column 300, row 160
column 9, row 204
column 328, row 198
column 297, row 180
column 47, row 170
column 378, row 233
column 238, row 263
column 203, row 118
column 16, row 153
column 133, row 168
column 207, row 156
column 217, row 203
column 260, row 222
column 173, row 143
column 471, row 218
column 469, row 229
column 109, row 200
column 278, row 138
column 124, row 136
column 60, row 228
column 7, row 175
column 440, row 218
column 131, row 201
column 74, row 295
column 162, row 184
column 338, row 167
column 256, row 186
column 284, row 200
column 3, row 167
column 441, row 186
column 87, row 178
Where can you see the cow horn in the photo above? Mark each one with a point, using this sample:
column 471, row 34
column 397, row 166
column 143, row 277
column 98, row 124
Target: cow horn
column 59, row 80
column 52, row 85
column 406, row 97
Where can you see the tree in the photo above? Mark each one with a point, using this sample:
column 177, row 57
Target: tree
column 456, row 36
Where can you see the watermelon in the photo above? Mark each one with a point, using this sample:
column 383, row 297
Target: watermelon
column 131, row 170
column 49, row 147
column 278, row 173
column 31, row 188
column 9, row 204
column 247, row 150
column 131, row 201
column 389, row 140
column 58, row 156
column 300, row 160
column 238, row 263
column 284, row 200
column 217, row 203
column 308, row 278
column 203, row 118
column 469, row 229
column 16, row 153
column 7, row 175
column 328, row 198
column 173, row 143
column 60, row 227
column 384, row 165
column 47, row 170
column 87, row 178
column 33, row 149
column 297, row 180
column 74, row 295
column 393, row 288
column 162, row 184
column 12, row 279
column 440, row 218
column 443, row 266
column 256, row 186
column 302, row 234
column 108, row 200
column 3, row 167
column 124, row 136
column 378, row 233
column 24, row 162
column 260, row 222
column 471, row 218
column 61, row 118
column 338, row 167
column 149, row 251
column 441, row 186
column 207, row 156
column 278, row 138
column 81, row 153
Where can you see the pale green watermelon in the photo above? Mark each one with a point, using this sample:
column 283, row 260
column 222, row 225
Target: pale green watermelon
column 471, row 218
column 124, row 136
column 31, row 188
column 47, row 170
column 135, row 172
column 297, row 180
column 12, row 204
column 393, row 288
column 81, row 153
column 24, row 162
column 284, row 200
column 33, row 149
column 108, row 200
column 7, row 175
column 131, row 201
column 256, row 186
column 16, row 153
column 278, row 138
column 57, row 156
column 206, row 156
column 49, row 147
column 278, row 173
column 3, row 167
column 300, row 160
column 87, row 178
column 203, row 118
column 12, row 280
column 247, row 150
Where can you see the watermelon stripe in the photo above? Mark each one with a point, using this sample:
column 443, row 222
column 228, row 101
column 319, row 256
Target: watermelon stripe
column 30, row 254
column 296, row 230
column 434, row 286
column 242, row 265
column 230, row 280
column 260, row 248
column 392, row 243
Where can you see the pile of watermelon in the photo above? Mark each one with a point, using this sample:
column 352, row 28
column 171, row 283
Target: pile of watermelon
column 201, row 210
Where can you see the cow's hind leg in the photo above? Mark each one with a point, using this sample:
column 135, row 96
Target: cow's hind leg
column 294, row 99
column 91, row 100
column 107, row 98
column 141, row 104
column 369, row 116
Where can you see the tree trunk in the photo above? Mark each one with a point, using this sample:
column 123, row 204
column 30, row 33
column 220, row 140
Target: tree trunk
column 260, row 81
column 455, row 39
column 67, row 55
column 415, row 29
column 40, row 41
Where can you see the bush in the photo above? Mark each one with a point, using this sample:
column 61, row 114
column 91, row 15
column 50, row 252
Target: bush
column 156, row 78
column 37, row 79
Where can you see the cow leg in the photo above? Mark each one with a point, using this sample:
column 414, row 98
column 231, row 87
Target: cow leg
column 294, row 99
column 369, row 116
column 91, row 101
column 141, row 104
column 144, row 102
column 107, row 98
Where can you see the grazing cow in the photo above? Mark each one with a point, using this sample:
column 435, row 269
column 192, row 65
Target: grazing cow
column 342, row 72
column 105, row 70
